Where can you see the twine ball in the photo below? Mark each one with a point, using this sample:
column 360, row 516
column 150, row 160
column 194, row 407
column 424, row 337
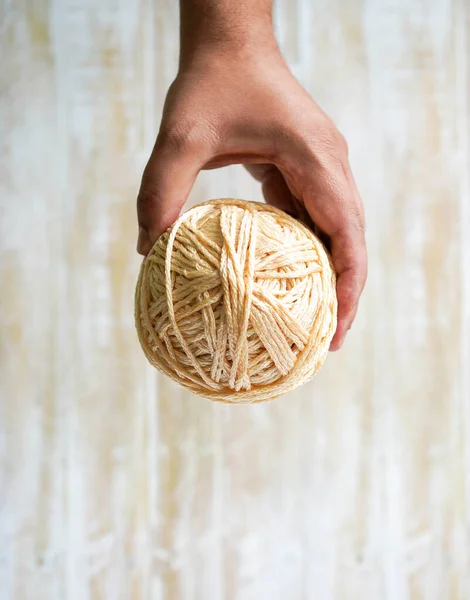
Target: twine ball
column 236, row 302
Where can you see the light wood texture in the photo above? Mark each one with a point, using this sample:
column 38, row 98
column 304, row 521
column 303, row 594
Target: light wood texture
column 115, row 484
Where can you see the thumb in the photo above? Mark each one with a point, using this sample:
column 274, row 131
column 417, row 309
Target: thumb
column 167, row 180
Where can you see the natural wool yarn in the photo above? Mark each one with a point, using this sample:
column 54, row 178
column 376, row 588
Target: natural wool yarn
column 236, row 302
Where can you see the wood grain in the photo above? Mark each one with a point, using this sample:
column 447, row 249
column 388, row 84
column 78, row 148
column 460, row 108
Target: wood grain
column 114, row 483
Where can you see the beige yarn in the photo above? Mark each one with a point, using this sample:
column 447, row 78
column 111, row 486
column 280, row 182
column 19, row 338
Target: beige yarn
column 236, row 302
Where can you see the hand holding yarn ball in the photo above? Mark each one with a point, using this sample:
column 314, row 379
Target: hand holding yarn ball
column 236, row 302
column 235, row 101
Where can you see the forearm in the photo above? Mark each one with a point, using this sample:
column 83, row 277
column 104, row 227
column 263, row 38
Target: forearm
column 235, row 24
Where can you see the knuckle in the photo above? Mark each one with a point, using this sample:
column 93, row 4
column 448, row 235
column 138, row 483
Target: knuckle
column 148, row 196
column 359, row 277
column 332, row 143
column 349, row 223
column 342, row 143
column 185, row 137
column 356, row 220
column 150, row 213
column 176, row 139
column 326, row 143
column 353, row 227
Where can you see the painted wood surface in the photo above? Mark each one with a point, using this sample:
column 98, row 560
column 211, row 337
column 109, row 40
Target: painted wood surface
column 114, row 483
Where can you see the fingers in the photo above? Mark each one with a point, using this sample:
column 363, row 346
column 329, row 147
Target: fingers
column 350, row 260
column 336, row 215
column 166, row 184
column 349, row 248
column 275, row 189
column 324, row 181
column 336, row 212
column 277, row 193
column 334, row 205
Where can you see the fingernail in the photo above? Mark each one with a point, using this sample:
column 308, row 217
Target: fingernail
column 143, row 241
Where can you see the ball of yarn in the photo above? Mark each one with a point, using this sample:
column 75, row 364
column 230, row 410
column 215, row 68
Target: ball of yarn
column 236, row 302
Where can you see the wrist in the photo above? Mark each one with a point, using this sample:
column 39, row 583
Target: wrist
column 224, row 30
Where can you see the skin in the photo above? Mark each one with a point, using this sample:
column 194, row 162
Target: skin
column 235, row 101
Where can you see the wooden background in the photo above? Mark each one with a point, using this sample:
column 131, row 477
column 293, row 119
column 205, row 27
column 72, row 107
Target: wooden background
column 117, row 485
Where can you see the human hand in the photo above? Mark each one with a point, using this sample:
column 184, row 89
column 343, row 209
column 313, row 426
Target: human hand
column 240, row 104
